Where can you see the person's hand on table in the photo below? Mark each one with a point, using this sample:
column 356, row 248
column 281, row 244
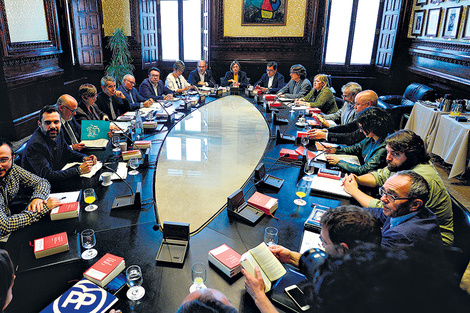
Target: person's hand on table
column 332, row 159
column 349, row 183
column 168, row 96
column 91, row 158
column 78, row 146
column 147, row 103
column 317, row 134
column 285, row 255
column 322, row 120
column 52, row 202
column 235, row 83
column 36, row 205
column 86, row 166
column 280, row 95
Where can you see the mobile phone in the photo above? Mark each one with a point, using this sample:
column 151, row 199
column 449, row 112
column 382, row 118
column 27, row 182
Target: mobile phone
column 298, row 297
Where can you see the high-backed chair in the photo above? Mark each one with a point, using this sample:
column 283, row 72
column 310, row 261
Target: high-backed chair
column 399, row 105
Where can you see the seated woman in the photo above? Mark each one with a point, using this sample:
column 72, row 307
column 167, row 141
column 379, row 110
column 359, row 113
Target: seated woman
column 175, row 80
column 235, row 77
column 7, row 274
column 87, row 109
column 321, row 96
column 298, row 86
column 376, row 124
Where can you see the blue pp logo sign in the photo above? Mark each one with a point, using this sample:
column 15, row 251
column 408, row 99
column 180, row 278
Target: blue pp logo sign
column 83, row 297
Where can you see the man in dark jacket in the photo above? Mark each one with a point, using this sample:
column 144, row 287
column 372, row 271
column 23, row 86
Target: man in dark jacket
column 272, row 80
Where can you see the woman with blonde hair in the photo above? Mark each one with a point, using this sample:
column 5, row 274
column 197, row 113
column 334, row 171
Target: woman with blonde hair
column 320, row 96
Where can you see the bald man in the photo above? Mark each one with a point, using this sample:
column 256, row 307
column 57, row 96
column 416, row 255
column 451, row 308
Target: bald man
column 349, row 133
column 136, row 100
column 67, row 106
column 206, row 300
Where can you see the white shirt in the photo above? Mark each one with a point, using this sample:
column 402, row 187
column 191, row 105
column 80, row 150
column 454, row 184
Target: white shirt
column 176, row 83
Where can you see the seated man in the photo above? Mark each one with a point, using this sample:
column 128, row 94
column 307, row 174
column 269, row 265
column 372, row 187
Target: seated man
column 12, row 178
column 206, row 300
column 298, row 86
column 271, row 81
column 154, row 88
column 346, row 114
column 405, row 220
column 111, row 101
column 67, row 106
column 342, row 229
column 46, row 152
column 136, row 100
column 201, row 77
column 350, row 133
column 406, row 151
column 175, row 81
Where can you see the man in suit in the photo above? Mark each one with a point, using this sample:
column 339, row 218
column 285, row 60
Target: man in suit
column 405, row 219
column 349, row 133
column 111, row 101
column 136, row 100
column 67, row 106
column 271, row 81
column 153, row 88
column 201, row 77
column 346, row 114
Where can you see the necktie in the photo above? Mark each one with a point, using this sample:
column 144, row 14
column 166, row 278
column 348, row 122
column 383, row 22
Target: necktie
column 69, row 130
column 130, row 94
column 111, row 107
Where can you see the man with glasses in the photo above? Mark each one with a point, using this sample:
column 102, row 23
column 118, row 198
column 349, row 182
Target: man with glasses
column 346, row 114
column 46, row 152
column 67, row 106
column 348, row 134
column 111, row 101
column 136, row 100
column 12, row 179
column 405, row 219
column 342, row 229
column 271, row 81
column 201, row 77
column 406, row 151
column 153, row 88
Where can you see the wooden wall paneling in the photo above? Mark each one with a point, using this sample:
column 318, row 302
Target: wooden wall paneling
column 149, row 31
column 387, row 35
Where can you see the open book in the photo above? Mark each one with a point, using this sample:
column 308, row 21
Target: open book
column 261, row 256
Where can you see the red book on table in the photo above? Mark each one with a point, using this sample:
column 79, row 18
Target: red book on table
column 66, row 210
column 322, row 172
column 291, row 154
column 263, row 202
column 105, row 269
column 51, row 245
column 300, row 151
column 226, row 259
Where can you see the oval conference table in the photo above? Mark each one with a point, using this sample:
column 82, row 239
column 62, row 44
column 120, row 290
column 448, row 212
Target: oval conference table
column 199, row 162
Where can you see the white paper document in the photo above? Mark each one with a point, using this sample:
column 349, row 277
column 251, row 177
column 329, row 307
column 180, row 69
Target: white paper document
column 310, row 240
column 66, row 197
column 328, row 185
column 91, row 173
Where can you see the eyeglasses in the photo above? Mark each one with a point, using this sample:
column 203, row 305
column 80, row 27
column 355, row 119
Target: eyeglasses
column 131, row 82
column 323, row 242
column 72, row 111
column 270, row 71
column 390, row 198
column 4, row 160
column 154, row 75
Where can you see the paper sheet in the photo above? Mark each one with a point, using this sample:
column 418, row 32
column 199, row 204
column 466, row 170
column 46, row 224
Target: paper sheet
column 66, row 197
column 90, row 174
column 310, row 240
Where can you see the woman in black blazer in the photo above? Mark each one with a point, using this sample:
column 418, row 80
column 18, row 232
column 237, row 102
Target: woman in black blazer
column 235, row 77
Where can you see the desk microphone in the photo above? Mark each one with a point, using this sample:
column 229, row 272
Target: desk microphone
column 132, row 201
column 125, row 135
column 169, row 118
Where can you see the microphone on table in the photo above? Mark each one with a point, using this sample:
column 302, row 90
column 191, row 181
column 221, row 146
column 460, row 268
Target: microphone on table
column 170, row 117
column 132, row 201
column 125, row 135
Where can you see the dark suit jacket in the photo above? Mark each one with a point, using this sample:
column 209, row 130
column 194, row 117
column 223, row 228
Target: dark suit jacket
column 146, row 90
column 121, row 106
column 194, row 78
column 421, row 229
column 84, row 114
column 136, row 99
column 242, row 79
column 278, row 82
column 76, row 128
column 348, row 134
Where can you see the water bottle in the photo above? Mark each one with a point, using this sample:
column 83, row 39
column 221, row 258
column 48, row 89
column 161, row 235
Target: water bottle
column 138, row 125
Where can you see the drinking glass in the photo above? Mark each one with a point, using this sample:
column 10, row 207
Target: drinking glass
column 115, row 141
column 309, row 170
column 198, row 276
column 89, row 196
column 134, row 281
column 301, row 191
column 133, row 164
column 270, row 236
column 88, row 242
column 304, row 141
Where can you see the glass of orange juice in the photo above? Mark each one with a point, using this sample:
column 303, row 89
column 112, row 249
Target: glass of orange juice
column 89, row 196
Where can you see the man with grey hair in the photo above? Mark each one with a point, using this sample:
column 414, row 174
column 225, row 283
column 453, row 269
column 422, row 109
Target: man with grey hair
column 175, row 80
column 346, row 114
column 111, row 101
column 299, row 86
column 136, row 100
column 201, row 76
column 67, row 106
column 405, row 220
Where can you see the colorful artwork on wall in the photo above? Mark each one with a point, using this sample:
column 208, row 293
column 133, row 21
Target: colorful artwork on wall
column 264, row 12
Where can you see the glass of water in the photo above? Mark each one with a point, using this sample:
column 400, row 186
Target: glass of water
column 134, row 281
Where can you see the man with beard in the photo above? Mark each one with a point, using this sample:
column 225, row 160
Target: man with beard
column 12, row 178
column 406, row 151
column 47, row 152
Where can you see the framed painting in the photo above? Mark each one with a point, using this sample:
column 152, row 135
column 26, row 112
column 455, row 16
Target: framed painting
column 432, row 26
column 466, row 30
column 452, row 20
column 418, row 21
column 264, row 12
column 418, row 2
